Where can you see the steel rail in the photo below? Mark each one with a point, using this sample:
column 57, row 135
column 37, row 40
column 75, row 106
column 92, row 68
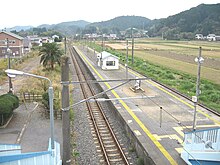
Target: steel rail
column 85, row 93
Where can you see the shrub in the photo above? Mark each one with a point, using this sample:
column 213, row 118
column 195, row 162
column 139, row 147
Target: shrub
column 8, row 102
column 45, row 100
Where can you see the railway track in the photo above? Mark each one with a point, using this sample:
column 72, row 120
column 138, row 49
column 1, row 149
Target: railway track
column 108, row 147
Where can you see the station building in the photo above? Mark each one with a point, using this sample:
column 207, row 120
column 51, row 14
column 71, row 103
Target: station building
column 107, row 61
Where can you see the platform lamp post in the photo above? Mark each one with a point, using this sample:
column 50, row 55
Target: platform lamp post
column 132, row 46
column 9, row 67
column 199, row 61
column 13, row 73
column 126, row 65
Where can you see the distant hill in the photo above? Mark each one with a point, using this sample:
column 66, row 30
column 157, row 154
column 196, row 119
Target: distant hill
column 66, row 27
column 19, row 28
column 204, row 19
column 44, row 26
column 123, row 22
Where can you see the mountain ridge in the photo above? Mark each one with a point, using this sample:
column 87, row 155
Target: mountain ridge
column 204, row 19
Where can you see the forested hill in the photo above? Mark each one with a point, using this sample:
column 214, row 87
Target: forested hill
column 123, row 22
column 203, row 19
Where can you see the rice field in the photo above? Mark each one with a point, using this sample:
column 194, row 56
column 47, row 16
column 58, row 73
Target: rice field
column 178, row 55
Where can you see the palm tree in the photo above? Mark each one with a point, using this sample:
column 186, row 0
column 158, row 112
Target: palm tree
column 50, row 55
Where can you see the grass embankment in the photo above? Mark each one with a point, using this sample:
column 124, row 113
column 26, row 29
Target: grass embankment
column 181, row 81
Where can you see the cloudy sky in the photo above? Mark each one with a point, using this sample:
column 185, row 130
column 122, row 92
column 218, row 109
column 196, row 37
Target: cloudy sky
column 29, row 12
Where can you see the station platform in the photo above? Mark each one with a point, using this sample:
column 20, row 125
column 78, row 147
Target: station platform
column 157, row 116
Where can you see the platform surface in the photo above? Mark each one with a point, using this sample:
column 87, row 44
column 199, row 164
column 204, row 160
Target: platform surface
column 160, row 119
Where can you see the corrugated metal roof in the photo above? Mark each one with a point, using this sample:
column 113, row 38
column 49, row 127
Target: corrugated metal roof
column 13, row 35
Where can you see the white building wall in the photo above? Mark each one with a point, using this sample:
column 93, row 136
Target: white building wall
column 110, row 58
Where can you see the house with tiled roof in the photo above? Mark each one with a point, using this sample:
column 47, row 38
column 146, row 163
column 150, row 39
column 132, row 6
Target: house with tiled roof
column 11, row 43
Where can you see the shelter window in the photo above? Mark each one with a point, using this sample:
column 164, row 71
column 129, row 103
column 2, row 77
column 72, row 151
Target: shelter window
column 110, row 63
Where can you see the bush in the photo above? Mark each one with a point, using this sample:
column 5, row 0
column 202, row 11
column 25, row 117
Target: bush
column 45, row 100
column 8, row 102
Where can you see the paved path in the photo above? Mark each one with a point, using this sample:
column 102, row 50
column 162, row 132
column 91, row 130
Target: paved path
column 30, row 128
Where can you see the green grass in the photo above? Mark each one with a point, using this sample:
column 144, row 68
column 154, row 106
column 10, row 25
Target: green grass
column 207, row 73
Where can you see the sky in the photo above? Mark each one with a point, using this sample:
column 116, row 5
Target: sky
column 35, row 13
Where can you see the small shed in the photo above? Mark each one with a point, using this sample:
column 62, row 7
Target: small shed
column 107, row 61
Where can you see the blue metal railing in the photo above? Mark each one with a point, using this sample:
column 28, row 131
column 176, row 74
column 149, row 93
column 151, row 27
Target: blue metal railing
column 11, row 154
column 202, row 146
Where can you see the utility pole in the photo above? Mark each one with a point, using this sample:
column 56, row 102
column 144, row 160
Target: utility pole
column 126, row 65
column 132, row 46
column 195, row 99
column 65, row 44
column 9, row 67
column 102, row 42
column 65, row 111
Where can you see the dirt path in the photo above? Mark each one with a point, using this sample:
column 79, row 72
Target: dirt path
column 17, row 82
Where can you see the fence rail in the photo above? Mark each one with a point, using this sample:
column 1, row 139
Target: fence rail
column 30, row 97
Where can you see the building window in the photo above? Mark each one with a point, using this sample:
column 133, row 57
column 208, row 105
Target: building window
column 110, row 63
column 11, row 41
column 3, row 42
column 3, row 51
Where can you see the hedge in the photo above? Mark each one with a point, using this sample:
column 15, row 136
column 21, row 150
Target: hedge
column 8, row 102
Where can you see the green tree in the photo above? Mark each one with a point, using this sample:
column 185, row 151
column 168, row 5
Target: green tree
column 50, row 55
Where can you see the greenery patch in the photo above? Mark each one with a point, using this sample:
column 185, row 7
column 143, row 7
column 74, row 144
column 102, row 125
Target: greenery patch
column 8, row 102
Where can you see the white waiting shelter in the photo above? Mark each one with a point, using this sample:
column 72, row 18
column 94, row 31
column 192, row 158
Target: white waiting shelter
column 107, row 61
